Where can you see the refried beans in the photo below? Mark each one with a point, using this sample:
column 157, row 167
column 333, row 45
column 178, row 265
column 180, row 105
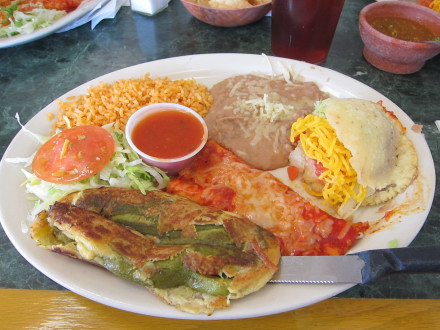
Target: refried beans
column 252, row 115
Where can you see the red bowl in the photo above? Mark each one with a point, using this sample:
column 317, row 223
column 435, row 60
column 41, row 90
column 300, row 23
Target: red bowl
column 395, row 55
column 227, row 17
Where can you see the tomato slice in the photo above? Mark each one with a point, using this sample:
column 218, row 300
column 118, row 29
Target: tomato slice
column 74, row 154
column 293, row 172
column 319, row 168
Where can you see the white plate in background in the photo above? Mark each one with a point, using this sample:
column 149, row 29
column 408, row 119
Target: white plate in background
column 84, row 8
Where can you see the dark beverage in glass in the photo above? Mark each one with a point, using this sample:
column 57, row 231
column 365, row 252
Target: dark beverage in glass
column 304, row 29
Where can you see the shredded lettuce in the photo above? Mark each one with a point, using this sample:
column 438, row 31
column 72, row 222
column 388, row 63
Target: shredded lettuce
column 29, row 21
column 40, row 138
column 319, row 109
column 393, row 243
column 125, row 170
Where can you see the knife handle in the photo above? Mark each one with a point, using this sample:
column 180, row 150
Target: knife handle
column 425, row 259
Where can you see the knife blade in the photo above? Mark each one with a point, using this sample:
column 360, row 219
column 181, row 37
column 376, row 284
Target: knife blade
column 362, row 267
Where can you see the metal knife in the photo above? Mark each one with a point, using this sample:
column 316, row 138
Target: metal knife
column 362, row 267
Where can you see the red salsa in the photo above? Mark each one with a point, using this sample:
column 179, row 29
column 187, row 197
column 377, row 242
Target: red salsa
column 168, row 134
column 402, row 28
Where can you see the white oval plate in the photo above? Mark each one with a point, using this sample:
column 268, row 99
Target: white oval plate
column 85, row 7
column 102, row 286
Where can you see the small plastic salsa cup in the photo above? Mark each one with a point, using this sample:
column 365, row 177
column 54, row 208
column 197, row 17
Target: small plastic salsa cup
column 166, row 135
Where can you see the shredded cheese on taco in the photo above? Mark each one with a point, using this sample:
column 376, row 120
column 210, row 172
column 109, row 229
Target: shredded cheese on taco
column 435, row 4
column 319, row 142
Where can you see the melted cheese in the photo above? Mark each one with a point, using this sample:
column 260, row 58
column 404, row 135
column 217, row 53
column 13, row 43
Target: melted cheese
column 319, row 142
column 302, row 228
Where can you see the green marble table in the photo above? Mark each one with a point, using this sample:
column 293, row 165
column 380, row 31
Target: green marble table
column 34, row 74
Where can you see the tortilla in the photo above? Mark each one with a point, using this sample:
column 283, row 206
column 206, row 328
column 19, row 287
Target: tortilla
column 383, row 158
column 193, row 257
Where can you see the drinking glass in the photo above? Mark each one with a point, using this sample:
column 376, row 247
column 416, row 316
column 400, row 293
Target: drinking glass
column 304, row 29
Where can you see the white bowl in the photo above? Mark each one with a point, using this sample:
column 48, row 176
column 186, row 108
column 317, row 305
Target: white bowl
column 169, row 165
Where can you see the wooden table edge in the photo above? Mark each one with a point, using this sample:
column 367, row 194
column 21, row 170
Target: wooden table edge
column 44, row 309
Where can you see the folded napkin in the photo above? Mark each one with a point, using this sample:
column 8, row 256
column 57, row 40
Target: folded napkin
column 102, row 11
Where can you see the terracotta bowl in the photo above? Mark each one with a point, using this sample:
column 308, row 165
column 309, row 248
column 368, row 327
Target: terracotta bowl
column 227, row 17
column 395, row 55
